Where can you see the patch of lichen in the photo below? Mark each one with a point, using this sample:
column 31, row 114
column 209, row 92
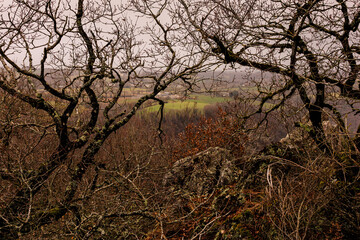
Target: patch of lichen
column 47, row 214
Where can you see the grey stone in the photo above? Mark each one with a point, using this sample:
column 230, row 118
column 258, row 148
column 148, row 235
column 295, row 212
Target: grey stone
column 201, row 173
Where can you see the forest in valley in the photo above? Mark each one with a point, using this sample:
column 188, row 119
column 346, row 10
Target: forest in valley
column 184, row 119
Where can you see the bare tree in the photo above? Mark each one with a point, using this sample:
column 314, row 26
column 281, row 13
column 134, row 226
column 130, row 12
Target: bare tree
column 308, row 53
column 72, row 62
column 309, row 48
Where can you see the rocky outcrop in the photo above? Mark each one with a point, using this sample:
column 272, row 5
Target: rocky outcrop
column 201, row 173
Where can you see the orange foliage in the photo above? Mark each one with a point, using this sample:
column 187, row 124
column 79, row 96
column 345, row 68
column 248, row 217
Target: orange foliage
column 223, row 131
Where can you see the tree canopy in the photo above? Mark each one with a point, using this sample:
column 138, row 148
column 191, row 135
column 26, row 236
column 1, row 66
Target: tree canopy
column 311, row 47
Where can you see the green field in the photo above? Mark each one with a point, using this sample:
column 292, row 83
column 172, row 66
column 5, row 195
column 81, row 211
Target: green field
column 207, row 99
column 195, row 102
